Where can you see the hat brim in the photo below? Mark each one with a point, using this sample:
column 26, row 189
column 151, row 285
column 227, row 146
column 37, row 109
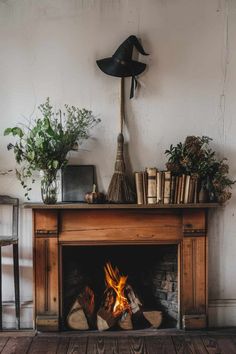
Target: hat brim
column 113, row 68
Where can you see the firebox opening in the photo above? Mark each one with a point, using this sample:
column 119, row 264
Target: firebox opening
column 150, row 278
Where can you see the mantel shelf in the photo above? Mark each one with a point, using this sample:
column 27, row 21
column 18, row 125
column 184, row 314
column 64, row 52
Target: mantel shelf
column 119, row 206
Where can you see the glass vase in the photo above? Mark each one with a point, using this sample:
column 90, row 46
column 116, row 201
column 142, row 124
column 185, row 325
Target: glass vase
column 49, row 189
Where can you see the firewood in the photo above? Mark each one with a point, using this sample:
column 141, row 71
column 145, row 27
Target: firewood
column 81, row 313
column 105, row 316
column 138, row 319
column 135, row 303
column 154, row 317
column 125, row 321
column 76, row 318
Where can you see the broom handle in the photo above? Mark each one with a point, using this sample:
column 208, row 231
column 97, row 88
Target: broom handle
column 122, row 103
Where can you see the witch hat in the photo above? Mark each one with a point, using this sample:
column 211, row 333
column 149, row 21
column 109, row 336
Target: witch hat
column 121, row 63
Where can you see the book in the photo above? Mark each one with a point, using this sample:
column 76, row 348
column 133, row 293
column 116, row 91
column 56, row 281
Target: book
column 186, row 189
column 152, row 185
column 145, row 187
column 159, row 185
column 172, row 189
column 176, row 190
column 167, row 185
column 139, row 187
column 179, row 189
column 182, row 189
column 162, row 186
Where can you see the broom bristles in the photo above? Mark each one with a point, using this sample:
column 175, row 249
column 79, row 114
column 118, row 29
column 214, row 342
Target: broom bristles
column 119, row 190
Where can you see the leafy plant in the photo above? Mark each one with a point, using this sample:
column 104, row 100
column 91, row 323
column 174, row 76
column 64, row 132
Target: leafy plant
column 45, row 143
column 195, row 157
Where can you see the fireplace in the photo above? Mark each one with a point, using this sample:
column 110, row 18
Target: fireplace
column 151, row 271
column 162, row 250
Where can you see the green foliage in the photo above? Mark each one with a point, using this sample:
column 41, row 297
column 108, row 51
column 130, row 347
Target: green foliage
column 45, row 143
column 195, row 157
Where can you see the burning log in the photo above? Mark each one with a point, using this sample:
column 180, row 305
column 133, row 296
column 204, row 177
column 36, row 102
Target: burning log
column 125, row 321
column 81, row 313
column 105, row 316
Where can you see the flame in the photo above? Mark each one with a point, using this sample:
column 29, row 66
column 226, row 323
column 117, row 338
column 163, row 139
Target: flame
column 117, row 282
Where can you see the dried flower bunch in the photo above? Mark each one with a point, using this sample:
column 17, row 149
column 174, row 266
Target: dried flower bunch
column 43, row 145
column 195, row 157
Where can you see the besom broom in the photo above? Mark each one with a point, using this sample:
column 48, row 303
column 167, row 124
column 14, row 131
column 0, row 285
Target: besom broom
column 119, row 190
column 122, row 65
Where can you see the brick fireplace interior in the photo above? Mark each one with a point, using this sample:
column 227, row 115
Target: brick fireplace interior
column 152, row 272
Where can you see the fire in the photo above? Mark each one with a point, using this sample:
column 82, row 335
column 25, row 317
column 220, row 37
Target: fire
column 117, row 282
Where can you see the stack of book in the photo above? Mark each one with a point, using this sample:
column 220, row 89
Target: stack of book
column 162, row 187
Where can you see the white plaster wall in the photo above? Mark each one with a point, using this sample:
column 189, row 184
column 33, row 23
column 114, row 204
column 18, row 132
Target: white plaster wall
column 49, row 48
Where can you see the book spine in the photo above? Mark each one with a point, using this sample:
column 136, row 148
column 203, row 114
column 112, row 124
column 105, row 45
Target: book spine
column 158, row 187
column 179, row 189
column 172, row 189
column 167, row 185
column 186, row 190
column 162, row 186
column 152, row 185
column 182, row 189
column 145, row 187
column 139, row 187
column 176, row 190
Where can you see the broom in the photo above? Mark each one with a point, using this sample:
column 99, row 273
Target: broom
column 119, row 190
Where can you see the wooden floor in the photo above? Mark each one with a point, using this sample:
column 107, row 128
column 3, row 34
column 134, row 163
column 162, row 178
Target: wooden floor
column 178, row 342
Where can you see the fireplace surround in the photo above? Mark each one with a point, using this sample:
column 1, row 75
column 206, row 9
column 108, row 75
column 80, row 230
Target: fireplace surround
column 60, row 227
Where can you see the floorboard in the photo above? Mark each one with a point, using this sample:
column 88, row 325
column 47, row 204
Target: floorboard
column 160, row 345
column 41, row 345
column 103, row 345
column 213, row 342
column 78, row 346
column 17, row 345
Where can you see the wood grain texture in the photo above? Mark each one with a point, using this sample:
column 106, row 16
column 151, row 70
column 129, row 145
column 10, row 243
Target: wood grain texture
column 45, row 222
column 63, row 345
column 193, row 274
column 78, row 346
column 101, row 345
column 194, row 219
column 119, row 206
column 46, row 276
column 225, row 344
column 44, row 345
column 211, row 345
column 132, row 345
column 162, row 345
column 188, row 345
column 17, row 345
column 3, row 341
column 120, row 225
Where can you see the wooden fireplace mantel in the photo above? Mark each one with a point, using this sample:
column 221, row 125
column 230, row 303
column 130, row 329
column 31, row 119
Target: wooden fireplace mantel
column 111, row 224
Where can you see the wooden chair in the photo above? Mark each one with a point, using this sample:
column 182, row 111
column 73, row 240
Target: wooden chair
column 6, row 241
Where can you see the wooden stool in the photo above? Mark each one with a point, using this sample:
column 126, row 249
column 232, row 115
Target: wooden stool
column 6, row 241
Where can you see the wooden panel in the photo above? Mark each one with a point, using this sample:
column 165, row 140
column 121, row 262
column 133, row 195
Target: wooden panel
column 194, row 222
column 194, row 321
column 45, row 222
column 194, row 278
column 119, row 225
column 46, row 276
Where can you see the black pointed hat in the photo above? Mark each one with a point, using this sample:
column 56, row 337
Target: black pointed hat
column 121, row 63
